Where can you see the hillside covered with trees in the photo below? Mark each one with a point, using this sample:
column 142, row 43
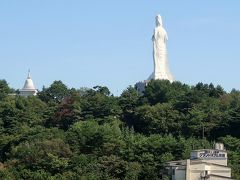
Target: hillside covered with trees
column 88, row 133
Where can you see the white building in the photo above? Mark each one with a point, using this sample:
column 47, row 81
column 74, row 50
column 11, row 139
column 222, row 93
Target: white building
column 204, row 164
column 28, row 88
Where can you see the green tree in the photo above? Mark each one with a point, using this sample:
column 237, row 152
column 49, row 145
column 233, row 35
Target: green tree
column 161, row 119
column 162, row 91
column 128, row 102
column 50, row 155
column 56, row 92
column 232, row 144
column 67, row 113
column 98, row 104
column 90, row 137
column 4, row 89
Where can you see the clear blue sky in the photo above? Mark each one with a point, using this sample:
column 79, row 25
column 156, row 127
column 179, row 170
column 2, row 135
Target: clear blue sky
column 104, row 42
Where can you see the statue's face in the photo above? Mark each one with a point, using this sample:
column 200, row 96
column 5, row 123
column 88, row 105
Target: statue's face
column 158, row 20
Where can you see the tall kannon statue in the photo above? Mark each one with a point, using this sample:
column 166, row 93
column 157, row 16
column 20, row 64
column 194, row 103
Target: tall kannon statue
column 159, row 38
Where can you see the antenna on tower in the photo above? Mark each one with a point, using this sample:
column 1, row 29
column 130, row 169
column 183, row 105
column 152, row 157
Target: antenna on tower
column 29, row 77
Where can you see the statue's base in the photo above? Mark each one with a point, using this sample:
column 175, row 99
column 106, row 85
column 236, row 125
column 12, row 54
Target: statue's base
column 140, row 86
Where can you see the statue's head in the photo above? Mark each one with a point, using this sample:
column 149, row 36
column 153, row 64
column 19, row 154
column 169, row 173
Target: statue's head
column 158, row 20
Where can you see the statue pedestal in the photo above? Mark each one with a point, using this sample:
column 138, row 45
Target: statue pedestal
column 140, row 86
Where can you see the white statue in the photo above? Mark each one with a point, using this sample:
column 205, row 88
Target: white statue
column 160, row 37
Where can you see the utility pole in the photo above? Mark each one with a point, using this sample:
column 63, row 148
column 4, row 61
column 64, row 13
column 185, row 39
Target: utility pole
column 203, row 137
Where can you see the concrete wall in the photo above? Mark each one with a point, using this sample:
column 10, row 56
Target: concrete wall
column 28, row 93
column 197, row 169
column 194, row 171
column 180, row 174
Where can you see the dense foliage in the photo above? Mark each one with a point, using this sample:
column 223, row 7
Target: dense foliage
column 86, row 133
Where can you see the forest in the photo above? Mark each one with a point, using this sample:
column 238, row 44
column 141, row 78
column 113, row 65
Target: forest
column 88, row 133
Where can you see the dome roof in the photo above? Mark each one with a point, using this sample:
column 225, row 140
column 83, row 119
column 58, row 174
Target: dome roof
column 28, row 83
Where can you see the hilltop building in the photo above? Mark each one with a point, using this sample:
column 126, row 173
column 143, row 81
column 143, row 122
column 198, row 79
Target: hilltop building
column 204, row 164
column 28, row 88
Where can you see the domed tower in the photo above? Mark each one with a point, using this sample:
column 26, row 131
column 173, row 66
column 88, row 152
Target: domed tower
column 28, row 88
